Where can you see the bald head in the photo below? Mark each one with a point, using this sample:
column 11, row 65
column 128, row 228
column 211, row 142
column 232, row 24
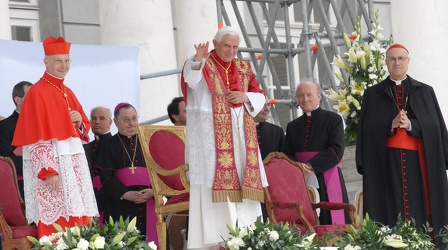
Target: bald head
column 308, row 95
column 100, row 118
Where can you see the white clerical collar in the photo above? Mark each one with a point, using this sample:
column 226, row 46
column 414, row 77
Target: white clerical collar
column 97, row 137
column 398, row 82
column 309, row 113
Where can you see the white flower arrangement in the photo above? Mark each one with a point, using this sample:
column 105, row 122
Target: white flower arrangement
column 122, row 234
column 366, row 235
column 366, row 66
column 267, row 236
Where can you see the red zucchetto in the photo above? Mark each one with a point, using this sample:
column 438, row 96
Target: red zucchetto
column 53, row 46
column 397, row 45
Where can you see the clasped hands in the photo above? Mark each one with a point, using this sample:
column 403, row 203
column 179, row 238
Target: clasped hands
column 138, row 197
column 52, row 182
column 401, row 120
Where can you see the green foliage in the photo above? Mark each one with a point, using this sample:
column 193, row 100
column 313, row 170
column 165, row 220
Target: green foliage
column 373, row 235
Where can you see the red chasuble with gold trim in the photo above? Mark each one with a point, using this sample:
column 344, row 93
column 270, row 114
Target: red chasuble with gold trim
column 226, row 183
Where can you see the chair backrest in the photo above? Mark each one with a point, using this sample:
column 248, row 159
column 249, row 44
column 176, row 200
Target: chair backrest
column 10, row 199
column 287, row 184
column 164, row 149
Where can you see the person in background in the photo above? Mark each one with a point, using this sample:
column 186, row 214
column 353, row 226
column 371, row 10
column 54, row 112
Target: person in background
column 177, row 112
column 101, row 120
column 51, row 128
column 7, row 128
column 316, row 139
column 402, row 149
column 124, row 175
column 222, row 97
column 178, row 116
column 270, row 136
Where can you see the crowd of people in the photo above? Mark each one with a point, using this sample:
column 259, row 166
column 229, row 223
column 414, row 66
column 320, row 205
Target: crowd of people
column 66, row 178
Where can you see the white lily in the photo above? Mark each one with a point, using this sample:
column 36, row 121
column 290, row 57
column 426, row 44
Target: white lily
column 395, row 243
column 352, row 56
column 347, row 41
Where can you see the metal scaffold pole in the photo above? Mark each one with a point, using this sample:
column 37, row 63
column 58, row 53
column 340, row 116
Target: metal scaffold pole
column 307, row 34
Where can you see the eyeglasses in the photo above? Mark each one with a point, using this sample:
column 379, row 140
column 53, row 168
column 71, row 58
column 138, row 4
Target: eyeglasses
column 60, row 61
column 267, row 105
column 399, row 59
column 128, row 120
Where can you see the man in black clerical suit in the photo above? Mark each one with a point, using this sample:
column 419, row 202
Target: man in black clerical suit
column 7, row 129
column 316, row 138
column 100, row 119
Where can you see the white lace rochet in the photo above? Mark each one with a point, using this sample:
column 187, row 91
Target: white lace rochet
column 75, row 195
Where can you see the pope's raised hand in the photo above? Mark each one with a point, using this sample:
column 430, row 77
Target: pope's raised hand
column 201, row 51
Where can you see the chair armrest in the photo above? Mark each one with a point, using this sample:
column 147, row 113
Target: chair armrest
column 184, row 178
column 336, row 206
column 163, row 189
column 171, row 172
column 4, row 226
column 299, row 210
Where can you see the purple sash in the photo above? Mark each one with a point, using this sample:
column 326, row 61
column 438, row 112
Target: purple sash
column 141, row 177
column 332, row 183
column 98, row 185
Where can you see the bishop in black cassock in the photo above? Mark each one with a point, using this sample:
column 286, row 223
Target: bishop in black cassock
column 123, row 170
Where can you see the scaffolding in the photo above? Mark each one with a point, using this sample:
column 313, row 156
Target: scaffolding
column 268, row 30
column 283, row 49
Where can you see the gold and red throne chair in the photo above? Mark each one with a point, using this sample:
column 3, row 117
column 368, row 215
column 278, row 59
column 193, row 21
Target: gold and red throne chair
column 14, row 227
column 164, row 152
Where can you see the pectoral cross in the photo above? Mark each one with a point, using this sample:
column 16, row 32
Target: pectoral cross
column 132, row 168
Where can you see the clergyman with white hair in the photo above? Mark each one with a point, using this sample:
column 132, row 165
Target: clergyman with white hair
column 222, row 97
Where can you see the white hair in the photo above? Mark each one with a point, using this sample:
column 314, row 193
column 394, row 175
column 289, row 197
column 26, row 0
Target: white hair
column 226, row 30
